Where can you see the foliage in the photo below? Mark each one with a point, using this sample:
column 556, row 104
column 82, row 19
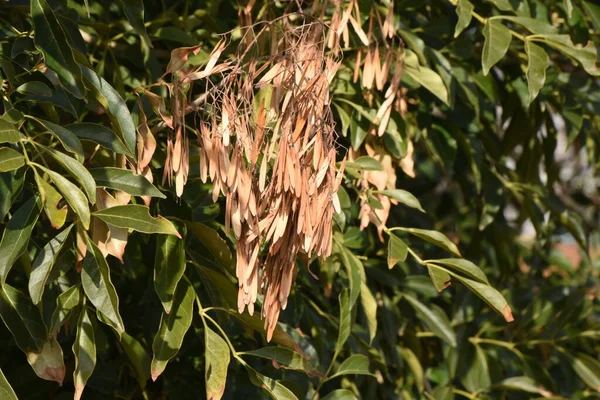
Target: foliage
column 469, row 189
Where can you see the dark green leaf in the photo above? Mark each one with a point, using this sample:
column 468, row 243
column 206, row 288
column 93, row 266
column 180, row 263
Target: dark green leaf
column 134, row 11
column 588, row 369
column 169, row 265
column 275, row 389
column 65, row 303
column 22, row 319
column 437, row 323
column 126, row 181
column 345, row 321
column 340, row 394
column 69, row 141
column 101, row 135
column 78, row 172
column 586, row 56
column 212, row 241
column 36, row 88
column 285, row 358
column 369, row 305
column 139, row 357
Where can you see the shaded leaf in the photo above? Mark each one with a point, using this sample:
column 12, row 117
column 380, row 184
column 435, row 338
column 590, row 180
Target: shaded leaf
column 134, row 11
column 43, row 263
column 17, row 233
column 36, row 88
column 65, row 303
column 285, row 358
column 345, row 321
column 521, row 383
column 369, row 305
column 497, row 41
column 169, row 266
column 138, row 218
column 434, row 237
column 275, row 389
column 340, row 394
column 356, row 364
column 397, row 250
column 464, row 9
column 588, row 369
column 488, row 294
column 434, row 321
column 415, row 366
column 23, row 319
column 537, row 63
column 98, row 287
column 217, row 360
column 125, row 181
column 586, row 56
column 403, row 197
column 211, row 239
column 84, row 349
column 465, row 267
column 69, row 141
column 78, row 172
column 139, row 357
column 101, row 135
column 172, row 329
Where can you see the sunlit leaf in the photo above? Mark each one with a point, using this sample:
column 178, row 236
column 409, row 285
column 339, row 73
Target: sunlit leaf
column 435, row 322
column 126, row 181
column 84, row 349
column 464, row 10
column 356, row 364
column 6, row 391
column 217, row 361
column 497, row 41
column 537, row 63
column 65, row 304
column 48, row 364
column 138, row 218
column 10, row 159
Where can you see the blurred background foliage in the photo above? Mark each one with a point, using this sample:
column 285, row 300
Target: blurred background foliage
column 510, row 176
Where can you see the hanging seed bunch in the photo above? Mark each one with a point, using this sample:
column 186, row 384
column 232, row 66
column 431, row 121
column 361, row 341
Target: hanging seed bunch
column 267, row 139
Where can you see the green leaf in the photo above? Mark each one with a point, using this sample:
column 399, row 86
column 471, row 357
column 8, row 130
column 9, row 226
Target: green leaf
column 593, row 11
column 586, row 56
column 73, row 195
column 488, row 294
column 6, row 391
column 503, row 5
column 48, row 364
column 69, row 141
column 355, row 271
column 403, row 197
column 340, row 394
column 537, row 63
column 427, row 78
column 22, row 319
column 588, row 369
column 535, row 26
column 169, row 266
column 98, row 287
column 134, row 11
column 139, row 357
column 397, row 250
column 569, row 7
column 285, row 358
column 35, row 88
column 138, row 218
column 172, row 329
column 216, row 362
column 125, row 181
column 439, row 277
column 464, row 267
column 84, row 349
column 65, row 304
column 10, row 159
column 464, row 10
column 51, row 198
column 77, row 171
column 8, row 132
column 101, row 135
column 521, row 383
column 497, row 41
column 51, row 40
column 365, row 163
column 17, row 233
column 414, row 365
column 477, row 377
column 356, row 364
column 345, row 321
column 43, row 263
column 437, row 323
column 369, row 305
column 275, row 389
column 433, row 237
column 211, row 239
column 115, row 107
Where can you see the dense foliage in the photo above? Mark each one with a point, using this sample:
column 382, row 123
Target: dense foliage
column 452, row 248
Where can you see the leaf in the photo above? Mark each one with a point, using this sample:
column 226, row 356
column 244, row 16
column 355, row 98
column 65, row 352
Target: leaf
column 464, row 10
column 535, row 26
column 6, row 391
column 593, row 11
column 369, row 305
column 340, row 394
column 99, row 289
column 355, row 271
column 537, row 63
column 275, row 389
column 569, row 7
column 169, row 266
column 488, row 294
column 285, row 358
column 415, row 366
column 477, row 377
column 101, row 135
column 35, row 88
column 217, row 360
column 504, row 5
column 8, row 132
column 52, row 199
column 49, row 363
column 497, row 41
column 429, row 79
column 439, row 277
column 435, row 322
column 69, row 141
column 78, row 172
column 22, row 319
column 356, row 364
column 51, row 40
column 125, row 181
column 84, row 349
column 403, row 197
column 115, row 107
column 138, row 218
column 74, row 196
column 43, row 263
column 134, row 11
column 586, row 56
column 365, row 163
column 588, row 369
column 433, row 237
column 17, row 233
column 211, row 239
column 465, row 267
column 65, row 303
column 10, row 159
column 397, row 250
column 139, row 357
column 345, row 321
column 172, row 329
column 522, row 383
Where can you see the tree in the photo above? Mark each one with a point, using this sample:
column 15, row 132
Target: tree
column 326, row 199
